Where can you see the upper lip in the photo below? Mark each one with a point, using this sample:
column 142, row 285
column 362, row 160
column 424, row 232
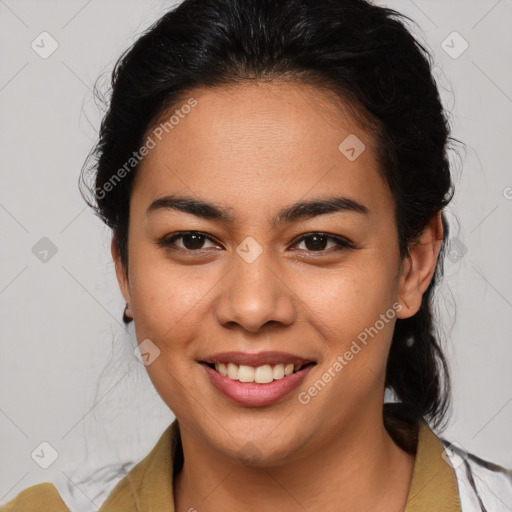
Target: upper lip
column 257, row 359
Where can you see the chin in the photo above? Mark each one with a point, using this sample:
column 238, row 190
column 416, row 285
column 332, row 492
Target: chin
column 260, row 452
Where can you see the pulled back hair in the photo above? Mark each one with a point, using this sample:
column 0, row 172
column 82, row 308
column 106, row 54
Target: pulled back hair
column 365, row 56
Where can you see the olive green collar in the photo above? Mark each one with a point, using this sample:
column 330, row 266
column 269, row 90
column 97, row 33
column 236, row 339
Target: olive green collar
column 434, row 484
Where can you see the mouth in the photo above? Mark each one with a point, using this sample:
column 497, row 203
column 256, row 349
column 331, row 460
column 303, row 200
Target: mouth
column 255, row 386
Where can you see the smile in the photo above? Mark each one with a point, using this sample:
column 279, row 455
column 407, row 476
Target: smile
column 250, row 392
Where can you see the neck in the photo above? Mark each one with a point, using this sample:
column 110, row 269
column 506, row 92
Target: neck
column 359, row 468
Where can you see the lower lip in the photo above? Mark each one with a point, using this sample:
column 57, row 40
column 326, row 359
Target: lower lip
column 252, row 394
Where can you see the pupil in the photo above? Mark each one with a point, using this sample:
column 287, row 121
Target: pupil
column 196, row 243
column 316, row 245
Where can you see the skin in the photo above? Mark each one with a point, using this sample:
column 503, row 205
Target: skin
column 255, row 149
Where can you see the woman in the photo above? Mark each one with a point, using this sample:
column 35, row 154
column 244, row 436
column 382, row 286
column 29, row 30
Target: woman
column 275, row 174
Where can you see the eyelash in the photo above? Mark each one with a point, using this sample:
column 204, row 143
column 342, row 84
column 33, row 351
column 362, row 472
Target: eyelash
column 341, row 243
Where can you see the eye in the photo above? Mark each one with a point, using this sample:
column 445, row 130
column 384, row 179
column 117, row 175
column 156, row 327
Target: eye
column 191, row 240
column 316, row 242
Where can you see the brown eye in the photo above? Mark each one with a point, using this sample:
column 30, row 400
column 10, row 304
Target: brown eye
column 191, row 240
column 317, row 242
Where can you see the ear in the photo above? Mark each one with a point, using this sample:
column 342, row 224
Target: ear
column 121, row 273
column 419, row 266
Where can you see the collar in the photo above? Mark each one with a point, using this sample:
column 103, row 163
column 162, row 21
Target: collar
column 434, row 484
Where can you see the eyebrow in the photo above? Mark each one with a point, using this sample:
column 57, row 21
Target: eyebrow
column 297, row 211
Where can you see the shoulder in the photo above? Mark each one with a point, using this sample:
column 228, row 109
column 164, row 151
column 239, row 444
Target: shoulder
column 483, row 485
column 37, row 498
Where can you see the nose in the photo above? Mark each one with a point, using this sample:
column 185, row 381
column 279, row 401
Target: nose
column 254, row 294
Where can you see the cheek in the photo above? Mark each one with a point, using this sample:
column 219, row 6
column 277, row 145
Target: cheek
column 169, row 304
column 351, row 308
column 168, row 297
column 354, row 316
column 351, row 294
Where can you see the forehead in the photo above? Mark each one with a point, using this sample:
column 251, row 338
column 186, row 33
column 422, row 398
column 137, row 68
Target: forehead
column 247, row 145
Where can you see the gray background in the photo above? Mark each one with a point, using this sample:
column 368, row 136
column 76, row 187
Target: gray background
column 61, row 318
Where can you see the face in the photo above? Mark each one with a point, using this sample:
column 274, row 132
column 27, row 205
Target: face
column 322, row 283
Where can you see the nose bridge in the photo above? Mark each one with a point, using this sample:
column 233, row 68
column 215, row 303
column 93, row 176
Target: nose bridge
column 252, row 293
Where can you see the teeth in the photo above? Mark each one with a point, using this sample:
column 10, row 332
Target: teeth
column 261, row 374
column 288, row 369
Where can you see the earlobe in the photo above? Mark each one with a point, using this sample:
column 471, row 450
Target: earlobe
column 419, row 267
